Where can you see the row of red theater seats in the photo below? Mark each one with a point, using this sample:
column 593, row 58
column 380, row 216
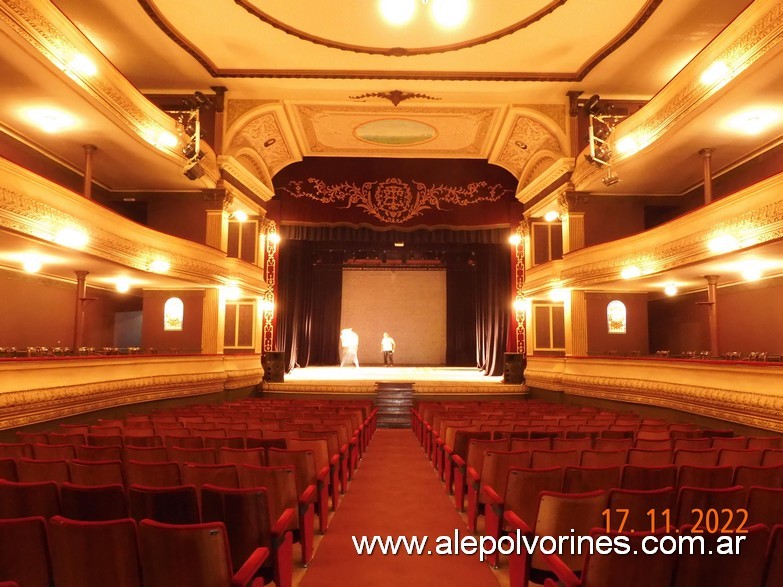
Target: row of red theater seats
column 124, row 553
column 709, row 514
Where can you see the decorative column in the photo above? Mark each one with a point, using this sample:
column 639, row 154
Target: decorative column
column 712, row 305
column 271, row 240
column 81, row 300
column 573, row 221
column 89, row 151
column 213, row 323
column 217, row 217
column 522, row 235
column 575, row 309
column 706, row 155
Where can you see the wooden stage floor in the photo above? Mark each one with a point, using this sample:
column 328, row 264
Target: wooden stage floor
column 425, row 380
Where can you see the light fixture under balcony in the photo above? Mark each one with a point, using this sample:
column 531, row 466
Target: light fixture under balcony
column 159, row 266
column 72, row 238
column 630, row 272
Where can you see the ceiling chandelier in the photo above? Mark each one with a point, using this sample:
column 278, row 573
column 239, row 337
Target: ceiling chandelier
column 445, row 13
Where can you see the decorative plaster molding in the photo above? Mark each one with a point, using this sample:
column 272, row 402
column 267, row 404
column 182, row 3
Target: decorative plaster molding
column 263, row 133
column 41, row 25
column 239, row 171
column 36, row 207
column 538, row 184
column 239, row 108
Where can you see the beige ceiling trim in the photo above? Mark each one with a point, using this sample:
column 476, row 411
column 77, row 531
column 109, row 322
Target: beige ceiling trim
column 525, row 133
column 238, row 169
column 34, row 206
column 399, row 51
column 39, row 24
column 461, row 131
column 265, row 130
column 556, row 170
column 156, row 15
column 750, row 37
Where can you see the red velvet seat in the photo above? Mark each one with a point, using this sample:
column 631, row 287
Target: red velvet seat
column 33, row 471
column 587, row 479
column 54, row 452
column 16, row 450
column 85, row 452
column 91, row 503
column 164, row 474
column 307, row 475
column 195, row 555
column 200, row 456
column 765, row 506
column 493, row 473
column 96, row 472
column 773, row 567
column 707, row 457
column 242, row 456
column 283, row 494
column 94, row 554
column 8, row 469
column 758, row 476
column 604, row 458
column 24, row 553
column 544, row 459
column 172, row 505
column 638, row 510
column 649, row 458
column 21, row 500
column 247, row 516
column 691, row 501
column 740, row 457
column 712, row 477
column 647, row 478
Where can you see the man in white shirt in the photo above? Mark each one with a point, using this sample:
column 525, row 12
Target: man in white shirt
column 388, row 346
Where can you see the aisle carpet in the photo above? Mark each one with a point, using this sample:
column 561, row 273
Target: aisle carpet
column 395, row 493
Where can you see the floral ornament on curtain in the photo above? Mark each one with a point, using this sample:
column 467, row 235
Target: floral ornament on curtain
column 396, row 201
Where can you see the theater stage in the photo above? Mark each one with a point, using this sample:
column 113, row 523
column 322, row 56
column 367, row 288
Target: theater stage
column 425, row 380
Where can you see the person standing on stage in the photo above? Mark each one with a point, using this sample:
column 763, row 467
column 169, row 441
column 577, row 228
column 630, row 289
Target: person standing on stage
column 387, row 346
column 349, row 341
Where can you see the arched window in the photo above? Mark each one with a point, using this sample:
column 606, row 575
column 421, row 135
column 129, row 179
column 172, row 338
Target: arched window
column 173, row 312
column 616, row 317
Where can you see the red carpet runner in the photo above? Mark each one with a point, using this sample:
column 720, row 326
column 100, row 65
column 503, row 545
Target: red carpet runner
column 395, row 493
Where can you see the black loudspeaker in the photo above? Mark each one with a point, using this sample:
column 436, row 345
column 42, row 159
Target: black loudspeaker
column 514, row 368
column 273, row 363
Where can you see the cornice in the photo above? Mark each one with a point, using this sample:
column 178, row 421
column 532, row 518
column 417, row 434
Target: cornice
column 36, row 207
column 554, row 172
column 46, row 30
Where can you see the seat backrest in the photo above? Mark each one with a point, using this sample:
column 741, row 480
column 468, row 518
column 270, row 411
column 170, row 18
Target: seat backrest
column 736, row 442
column 196, row 555
column 604, row 458
column 692, row 443
column 695, row 501
column 587, row 479
column 602, row 443
column 765, row 506
column 477, row 447
column 773, row 568
column 94, row 554
column 758, row 476
column 643, row 570
column 245, row 513
column 91, row 503
column 712, row 477
column 164, row 474
column 242, row 456
column 579, row 444
column 495, row 468
column 530, row 444
column 303, row 462
column 265, row 443
column 96, row 473
column 318, row 446
column 747, row 457
column 218, row 475
column 24, row 555
column 745, row 566
column 8, row 469
column 543, row 459
column 649, row 458
column 61, row 438
column 201, row 456
column 463, row 438
column 16, row 450
column 85, row 452
column 562, row 513
column 280, row 483
column 33, row 471
column 765, row 442
column 702, row 457
column 172, row 505
column 633, row 510
column 523, row 487
column 647, row 478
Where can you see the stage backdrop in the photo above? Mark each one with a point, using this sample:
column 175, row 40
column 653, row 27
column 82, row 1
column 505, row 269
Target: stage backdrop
column 409, row 305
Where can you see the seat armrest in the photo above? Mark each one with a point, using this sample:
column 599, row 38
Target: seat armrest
column 308, row 495
column 458, row 460
column 284, row 522
column 565, row 576
column 249, row 569
column 335, row 460
column 517, row 523
column 473, row 475
column 323, row 474
column 491, row 495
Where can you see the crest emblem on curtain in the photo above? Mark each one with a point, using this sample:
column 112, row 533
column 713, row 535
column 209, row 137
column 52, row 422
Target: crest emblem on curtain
column 395, row 200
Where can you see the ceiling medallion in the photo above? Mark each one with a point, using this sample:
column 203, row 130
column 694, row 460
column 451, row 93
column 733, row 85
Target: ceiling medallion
column 395, row 132
column 395, row 96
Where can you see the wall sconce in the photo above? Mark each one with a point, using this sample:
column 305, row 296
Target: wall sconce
column 274, row 238
column 670, row 289
column 268, row 306
column 558, row 294
column 73, row 238
column 515, row 239
column 519, row 305
column 552, row 215
column 232, row 293
column 630, row 272
column 239, row 216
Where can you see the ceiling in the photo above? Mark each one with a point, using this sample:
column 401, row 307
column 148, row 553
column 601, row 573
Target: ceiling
column 331, row 76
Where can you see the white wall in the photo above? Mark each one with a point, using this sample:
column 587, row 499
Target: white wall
column 409, row 305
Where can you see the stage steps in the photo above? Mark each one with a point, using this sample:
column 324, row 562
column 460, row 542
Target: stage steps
column 394, row 400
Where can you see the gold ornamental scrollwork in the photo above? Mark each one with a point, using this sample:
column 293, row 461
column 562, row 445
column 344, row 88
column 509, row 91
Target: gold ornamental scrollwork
column 395, row 200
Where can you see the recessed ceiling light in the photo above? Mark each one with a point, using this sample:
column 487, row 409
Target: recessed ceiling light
column 397, row 12
column 670, row 289
column 558, row 294
column 50, row 120
column 32, row 263
column 752, row 271
column 753, row 122
column 122, row 285
column 232, row 292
